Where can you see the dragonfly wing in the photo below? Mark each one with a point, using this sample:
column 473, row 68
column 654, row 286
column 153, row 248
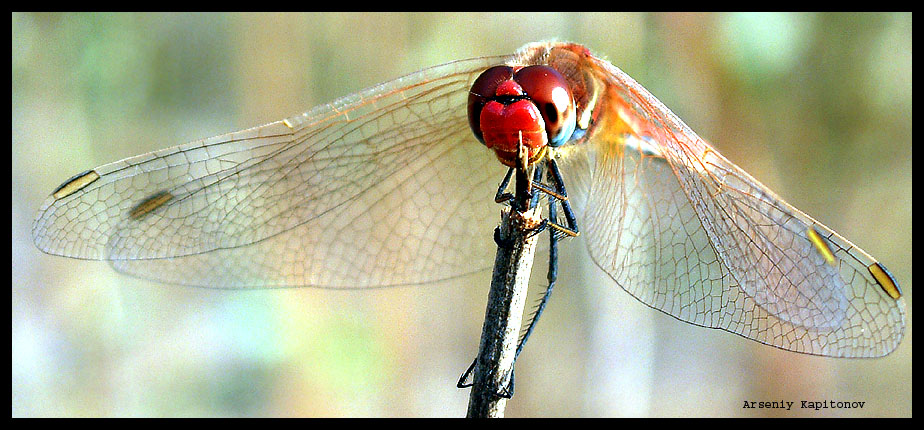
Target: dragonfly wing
column 689, row 233
column 377, row 188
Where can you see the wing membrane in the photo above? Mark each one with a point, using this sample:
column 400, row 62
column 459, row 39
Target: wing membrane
column 374, row 189
column 689, row 233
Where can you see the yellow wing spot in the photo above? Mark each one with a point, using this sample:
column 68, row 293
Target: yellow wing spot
column 821, row 246
column 288, row 124
column 151, row 203
column 885, row 280
column 75, row 184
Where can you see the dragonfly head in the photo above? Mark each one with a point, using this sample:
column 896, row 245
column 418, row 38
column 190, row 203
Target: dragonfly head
column 529, row 106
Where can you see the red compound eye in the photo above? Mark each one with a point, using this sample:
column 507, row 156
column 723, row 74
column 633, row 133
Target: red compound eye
column 551, row 93
column 510, row 107
column 483, row 90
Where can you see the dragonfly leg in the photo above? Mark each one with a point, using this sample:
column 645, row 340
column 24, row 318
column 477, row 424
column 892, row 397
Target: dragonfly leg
column 543, row 226
column 506, row 393
column 556, row 232
column 465, row 376
column 502, row 195
column 552, row 276
column 557, row 196
column 537, row 176
column 554, row 175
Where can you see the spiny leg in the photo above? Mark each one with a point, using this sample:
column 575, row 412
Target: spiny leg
column 557, row 194
column 537, row 176
column 554, row 175
column 502, row 195
column 552, row 276
column 555, row 234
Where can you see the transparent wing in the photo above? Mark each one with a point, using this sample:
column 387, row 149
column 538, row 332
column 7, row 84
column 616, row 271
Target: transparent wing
column 383, row 187
column 689, row 233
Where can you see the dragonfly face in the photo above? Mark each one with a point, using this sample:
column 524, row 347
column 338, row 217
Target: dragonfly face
column 503, row 114
column 297, row 203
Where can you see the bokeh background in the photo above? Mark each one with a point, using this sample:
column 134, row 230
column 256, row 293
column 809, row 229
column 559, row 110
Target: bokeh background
column 816, row 106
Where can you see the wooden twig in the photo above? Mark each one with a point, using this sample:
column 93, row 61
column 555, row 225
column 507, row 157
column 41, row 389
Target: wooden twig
column 504, row 313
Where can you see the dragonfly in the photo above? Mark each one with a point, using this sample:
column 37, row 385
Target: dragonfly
column 390, row 186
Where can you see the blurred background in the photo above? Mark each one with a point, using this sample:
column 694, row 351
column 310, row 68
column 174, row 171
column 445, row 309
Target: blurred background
column 816, row 106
